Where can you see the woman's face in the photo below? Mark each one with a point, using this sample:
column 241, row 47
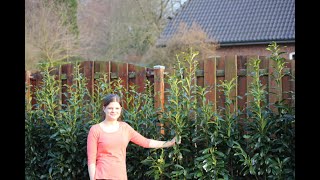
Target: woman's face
column 113, row 111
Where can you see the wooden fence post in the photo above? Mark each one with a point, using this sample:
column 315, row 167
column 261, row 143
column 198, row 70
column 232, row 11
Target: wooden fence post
column 27, row 84
column 159, row 90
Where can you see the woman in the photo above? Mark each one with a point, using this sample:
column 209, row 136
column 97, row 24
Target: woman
column 107, row 142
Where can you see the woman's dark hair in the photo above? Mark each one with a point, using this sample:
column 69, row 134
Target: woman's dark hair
column 110, row 98
column 107, row 100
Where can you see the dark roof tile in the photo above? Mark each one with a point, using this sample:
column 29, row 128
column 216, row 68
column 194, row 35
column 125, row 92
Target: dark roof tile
column 237, row 21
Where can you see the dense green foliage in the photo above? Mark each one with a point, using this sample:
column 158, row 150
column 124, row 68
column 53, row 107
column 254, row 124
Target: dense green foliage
column 256, row 143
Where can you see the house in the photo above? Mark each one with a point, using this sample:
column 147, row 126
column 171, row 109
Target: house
column 241, row 27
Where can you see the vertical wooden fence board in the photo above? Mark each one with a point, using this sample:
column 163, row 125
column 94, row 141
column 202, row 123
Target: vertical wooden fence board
column 150, row 75
column 69, row 73
column 200, row 79
column 28, row 88
column 38, row 79
column 88, row 68
column 97, row 73
column 292, row 82
column 242, row 82
column 36, row 84
column 220, row 78
column 131, row 80
column 105, row 67
column 210, row 73
column 55, row 72
column 27, row 83
column 113, row 72
column 286, row 84
column 249, row 78
column 231, row 73
column 141, row 78
column 195, row 80
column 102, row 67
column 242, row 88
column 264, row 65
column 67, row 70
column 275, row 93
column 58, row 78
column 168, row 72
column 123, row 74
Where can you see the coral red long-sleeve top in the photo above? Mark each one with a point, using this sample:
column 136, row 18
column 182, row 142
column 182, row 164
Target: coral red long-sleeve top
column 108, row 150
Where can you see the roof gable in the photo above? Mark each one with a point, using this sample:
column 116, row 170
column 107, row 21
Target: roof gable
column 237, row 21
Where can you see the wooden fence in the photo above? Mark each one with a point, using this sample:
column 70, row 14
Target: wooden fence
column 211, row 72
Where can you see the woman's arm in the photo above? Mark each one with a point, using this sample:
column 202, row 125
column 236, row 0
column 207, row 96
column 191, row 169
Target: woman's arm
column 92, row 171
column 142, row 141
column 92, row 146
column 163, row 144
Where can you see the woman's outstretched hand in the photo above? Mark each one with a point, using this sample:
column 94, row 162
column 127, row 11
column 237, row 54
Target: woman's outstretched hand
column 176, row 140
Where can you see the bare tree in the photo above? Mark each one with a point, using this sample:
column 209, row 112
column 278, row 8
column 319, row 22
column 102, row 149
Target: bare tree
column 47, row 36
column 113, row 29
column 94, row 21
column 108, row 30
column 185, row 38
